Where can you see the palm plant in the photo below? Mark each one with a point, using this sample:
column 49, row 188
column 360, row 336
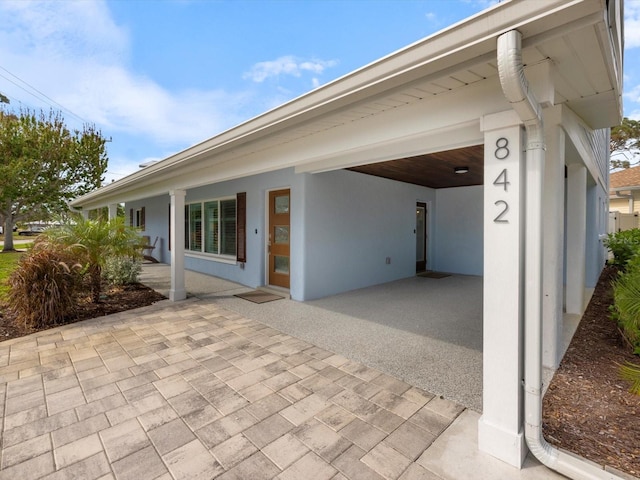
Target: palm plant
column 94, row 242
column 631, row 373
column 626, row 306
column 626, row 311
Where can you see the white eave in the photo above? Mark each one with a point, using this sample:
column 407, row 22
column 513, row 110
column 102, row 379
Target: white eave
column 565, row 31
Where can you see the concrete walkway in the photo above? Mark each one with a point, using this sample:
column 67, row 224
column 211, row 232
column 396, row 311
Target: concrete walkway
column 194, row 390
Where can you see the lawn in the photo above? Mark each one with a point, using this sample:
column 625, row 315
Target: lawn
column 8, row 262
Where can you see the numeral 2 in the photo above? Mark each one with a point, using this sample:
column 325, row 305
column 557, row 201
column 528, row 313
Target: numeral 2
column 500, row 217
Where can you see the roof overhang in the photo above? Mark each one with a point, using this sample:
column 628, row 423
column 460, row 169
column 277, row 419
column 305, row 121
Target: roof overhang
column 574, row 39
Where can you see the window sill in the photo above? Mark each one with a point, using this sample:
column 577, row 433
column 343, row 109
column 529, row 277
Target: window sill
column 210, row 256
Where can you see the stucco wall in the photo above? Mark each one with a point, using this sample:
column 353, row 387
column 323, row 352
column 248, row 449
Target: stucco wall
column 597, row 223
column 459, row 230
column 344, row 227
column 156, row 217
column 256, row 187
column 353, row 223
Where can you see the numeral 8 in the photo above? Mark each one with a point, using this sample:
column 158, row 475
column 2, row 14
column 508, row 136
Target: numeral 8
column 502, row 151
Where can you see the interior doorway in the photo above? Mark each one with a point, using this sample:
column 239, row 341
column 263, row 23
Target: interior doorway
column 421, row 237
column 278, row 249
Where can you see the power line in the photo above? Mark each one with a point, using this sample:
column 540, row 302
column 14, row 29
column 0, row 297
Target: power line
column 43, row 96
column 117, row 173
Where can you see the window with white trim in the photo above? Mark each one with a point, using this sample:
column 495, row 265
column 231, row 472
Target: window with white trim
column 210, row 227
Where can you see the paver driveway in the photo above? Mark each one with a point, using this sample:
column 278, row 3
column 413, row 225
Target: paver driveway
column 190, row 390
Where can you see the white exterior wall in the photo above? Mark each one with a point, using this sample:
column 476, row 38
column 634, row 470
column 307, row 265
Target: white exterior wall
column 458, row 230
column 500, row 431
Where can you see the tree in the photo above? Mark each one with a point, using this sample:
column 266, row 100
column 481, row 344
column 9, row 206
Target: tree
column 93, row 243
column 4, row 99
column 43, row 165
column 625, row 140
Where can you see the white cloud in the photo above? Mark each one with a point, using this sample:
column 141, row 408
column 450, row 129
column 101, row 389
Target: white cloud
column 632, row 94
column 121, row 102
column 81, row 29
column 632, row 24
column 77, row 55
column 287, row 65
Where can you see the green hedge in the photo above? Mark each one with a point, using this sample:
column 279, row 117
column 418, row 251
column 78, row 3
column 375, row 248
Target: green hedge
column 623, row 245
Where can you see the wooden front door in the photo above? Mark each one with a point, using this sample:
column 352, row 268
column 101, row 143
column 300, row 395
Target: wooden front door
column 421, row 237
column 278, row 239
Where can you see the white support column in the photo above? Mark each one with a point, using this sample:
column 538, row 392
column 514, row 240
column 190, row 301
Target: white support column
column 178, row 290
column 576, row 237
column 553, row 243
column 113, row 210
column 85, row 214
column 500, row 428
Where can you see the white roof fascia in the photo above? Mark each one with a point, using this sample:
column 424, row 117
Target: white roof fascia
column 615, row 190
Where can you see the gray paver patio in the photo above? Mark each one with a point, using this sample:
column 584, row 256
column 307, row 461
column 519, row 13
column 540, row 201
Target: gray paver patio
column 191, row 390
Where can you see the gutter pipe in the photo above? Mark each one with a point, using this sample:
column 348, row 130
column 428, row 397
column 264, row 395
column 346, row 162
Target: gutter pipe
column 516, row 89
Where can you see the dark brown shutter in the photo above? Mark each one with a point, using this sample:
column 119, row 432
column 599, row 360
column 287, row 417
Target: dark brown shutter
column 187, row 233
column 131, row 218
column 241, row 227
column 142, row 222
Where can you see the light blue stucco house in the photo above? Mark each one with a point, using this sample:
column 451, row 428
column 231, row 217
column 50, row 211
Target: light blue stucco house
column 480, row 150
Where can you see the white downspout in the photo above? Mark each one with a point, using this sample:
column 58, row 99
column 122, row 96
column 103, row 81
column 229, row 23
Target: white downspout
column 516, row 89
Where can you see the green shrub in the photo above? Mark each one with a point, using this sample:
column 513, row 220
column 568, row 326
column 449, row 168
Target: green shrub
column 122, row 270
column 43, row 288
column 626, row 302
column 94, row 241
column 626, row 298
column 623, row 245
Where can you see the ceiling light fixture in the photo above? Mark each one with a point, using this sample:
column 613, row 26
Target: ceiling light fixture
column 461, row 169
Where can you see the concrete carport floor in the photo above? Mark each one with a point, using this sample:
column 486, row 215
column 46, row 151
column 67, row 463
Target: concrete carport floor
column 425, row 331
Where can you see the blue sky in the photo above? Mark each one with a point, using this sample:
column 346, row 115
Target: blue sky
column 157, row 76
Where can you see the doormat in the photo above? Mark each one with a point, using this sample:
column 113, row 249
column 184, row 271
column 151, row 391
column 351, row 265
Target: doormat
column 434, row 274
column 259, row 296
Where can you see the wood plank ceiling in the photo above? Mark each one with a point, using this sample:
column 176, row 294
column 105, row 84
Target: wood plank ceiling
column 434, row 170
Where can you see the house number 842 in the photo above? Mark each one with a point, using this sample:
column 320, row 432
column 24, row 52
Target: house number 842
column 502, row 180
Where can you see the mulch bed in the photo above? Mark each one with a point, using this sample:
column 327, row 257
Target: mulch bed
column 587, row 409
column 114, row 300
